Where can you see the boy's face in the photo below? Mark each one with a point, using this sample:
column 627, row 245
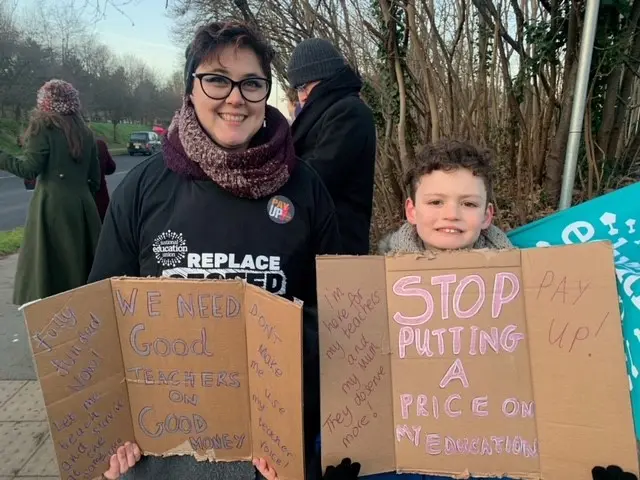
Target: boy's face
column 450, row 209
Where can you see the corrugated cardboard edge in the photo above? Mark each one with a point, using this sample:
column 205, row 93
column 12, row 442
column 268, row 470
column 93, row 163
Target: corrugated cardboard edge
column 185, row 449
column 466, row 474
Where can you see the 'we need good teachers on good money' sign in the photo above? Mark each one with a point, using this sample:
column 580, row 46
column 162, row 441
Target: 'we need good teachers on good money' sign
column 211, row 369
column 488, row 363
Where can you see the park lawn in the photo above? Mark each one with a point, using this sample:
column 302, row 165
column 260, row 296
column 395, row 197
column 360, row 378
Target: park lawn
column 10, row 129
column 123, row 130
column 10, row 241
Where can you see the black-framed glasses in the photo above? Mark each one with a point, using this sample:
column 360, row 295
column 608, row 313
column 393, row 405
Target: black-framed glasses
column 219, row 87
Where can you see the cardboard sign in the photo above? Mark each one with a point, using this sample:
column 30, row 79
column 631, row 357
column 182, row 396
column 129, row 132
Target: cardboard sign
column 211, row 369
column 608, row 217
column 484, row 363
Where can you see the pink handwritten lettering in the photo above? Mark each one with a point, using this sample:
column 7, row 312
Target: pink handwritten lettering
column 479, row 405
column 510, row 407
column 433, row 444
column 455, row 331
column 438, row 333
column 444, row 281
column 421, row 409
column 401, row 288
column 423, row 347
column 474, row 339
column 458, row 338
column 406, row 338
column 424, row 402
column 491, row 340
column 456, row 371
column 499, row 300
column 436, row 444
column 447, row 405
column 509, row 340
column 450, row 446
column 527, row 409
column 410, row 432
column 466, row 281
column 406, row 399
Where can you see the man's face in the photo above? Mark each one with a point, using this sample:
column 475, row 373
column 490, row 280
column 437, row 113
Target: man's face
column 304, row 91
column 450, row 209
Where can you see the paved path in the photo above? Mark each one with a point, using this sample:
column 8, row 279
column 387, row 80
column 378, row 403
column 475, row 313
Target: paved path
column 15, row 353
column 26, row 450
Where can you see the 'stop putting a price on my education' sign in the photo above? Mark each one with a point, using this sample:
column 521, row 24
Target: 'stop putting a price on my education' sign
column 483, row 362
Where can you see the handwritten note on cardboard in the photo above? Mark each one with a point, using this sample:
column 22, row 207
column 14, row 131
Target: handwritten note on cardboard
column 488, row 363
column 207, row 368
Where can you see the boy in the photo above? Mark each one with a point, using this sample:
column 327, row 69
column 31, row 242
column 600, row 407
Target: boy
column 449, row 205
column 448, row 209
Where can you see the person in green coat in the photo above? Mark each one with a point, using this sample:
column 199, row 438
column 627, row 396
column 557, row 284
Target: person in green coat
column 63, row 224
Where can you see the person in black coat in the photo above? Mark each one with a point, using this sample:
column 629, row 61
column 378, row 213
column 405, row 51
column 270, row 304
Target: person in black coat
column 335, row 133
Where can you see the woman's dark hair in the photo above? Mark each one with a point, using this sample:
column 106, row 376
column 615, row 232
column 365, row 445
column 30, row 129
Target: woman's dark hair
column 449, row 155
column 210, row 39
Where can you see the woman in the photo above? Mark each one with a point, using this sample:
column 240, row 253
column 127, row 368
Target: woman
column 63, row 225
column 107, row 167
column 29, row 184
column 227, row 188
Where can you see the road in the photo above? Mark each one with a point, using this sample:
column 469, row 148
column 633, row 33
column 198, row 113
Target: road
column 15, row 354
column 14, row 198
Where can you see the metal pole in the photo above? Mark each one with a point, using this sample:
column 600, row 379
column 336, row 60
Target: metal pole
column 579, row 100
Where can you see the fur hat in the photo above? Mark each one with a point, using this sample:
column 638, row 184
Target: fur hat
column 58, row 96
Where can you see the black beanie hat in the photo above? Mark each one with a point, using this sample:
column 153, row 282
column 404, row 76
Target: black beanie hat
column 312, row 60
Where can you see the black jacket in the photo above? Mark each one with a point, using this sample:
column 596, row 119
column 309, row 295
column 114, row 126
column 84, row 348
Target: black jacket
column 335, row 133
column 160, row 223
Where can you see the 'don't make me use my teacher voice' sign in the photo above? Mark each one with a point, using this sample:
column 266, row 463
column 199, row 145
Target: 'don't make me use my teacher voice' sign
column 207, row 368
column 483, row 362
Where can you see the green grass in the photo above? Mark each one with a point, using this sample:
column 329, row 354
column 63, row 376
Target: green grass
column 123, row 130
column 10, row 241
column 9, row 130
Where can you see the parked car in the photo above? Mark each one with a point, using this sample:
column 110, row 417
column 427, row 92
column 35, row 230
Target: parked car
column 146, row 143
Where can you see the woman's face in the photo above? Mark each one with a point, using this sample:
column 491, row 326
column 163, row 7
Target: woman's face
column 233, row 121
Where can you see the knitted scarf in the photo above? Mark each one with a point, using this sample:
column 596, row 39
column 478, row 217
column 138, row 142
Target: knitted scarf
column 254, row 173
column 406, row 240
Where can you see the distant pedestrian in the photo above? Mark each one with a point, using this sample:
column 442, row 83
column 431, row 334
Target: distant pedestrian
column 29, row 183
column 107, row 167
column 63, row 225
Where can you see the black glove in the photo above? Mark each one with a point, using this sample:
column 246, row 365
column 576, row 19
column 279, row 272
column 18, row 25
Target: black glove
column 612, row 472
column 345, row 471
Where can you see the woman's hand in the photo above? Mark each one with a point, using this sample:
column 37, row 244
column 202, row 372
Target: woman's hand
column 265, row 470
column 612, row 472
column 345, row 471
column 121, row 461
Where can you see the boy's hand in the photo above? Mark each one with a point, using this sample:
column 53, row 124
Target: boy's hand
column 121, row 461
column 345, row 471
column 612, row 472
column 265, row 470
